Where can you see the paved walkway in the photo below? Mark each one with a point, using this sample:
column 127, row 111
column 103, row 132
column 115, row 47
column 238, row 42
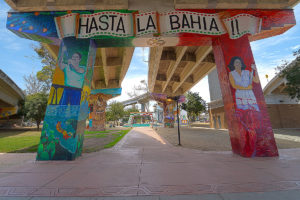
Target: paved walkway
column 144, row 164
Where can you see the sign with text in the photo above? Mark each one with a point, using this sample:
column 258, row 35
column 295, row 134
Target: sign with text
column 118, row 24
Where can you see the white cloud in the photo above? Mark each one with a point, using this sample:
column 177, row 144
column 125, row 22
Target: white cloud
column 3, row 11
column 127, row 86
column 13, row 46
column 262, row 72
column 142, row 52
column 203, row 89
column 297, row 12
column 261, row 45
column 296, row 47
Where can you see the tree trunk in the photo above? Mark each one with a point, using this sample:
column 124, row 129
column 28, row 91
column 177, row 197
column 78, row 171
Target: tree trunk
column 38, row 125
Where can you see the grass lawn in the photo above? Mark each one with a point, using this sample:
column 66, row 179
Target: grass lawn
column 97, row 140
column 118, row 137
column 16, row 141
column 19, row 141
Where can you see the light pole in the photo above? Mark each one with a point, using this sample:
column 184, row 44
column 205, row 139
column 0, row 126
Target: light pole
column 177, row 99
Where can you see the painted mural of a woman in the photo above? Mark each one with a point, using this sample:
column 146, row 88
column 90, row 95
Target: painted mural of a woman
column 74, row 76
column 241, row 80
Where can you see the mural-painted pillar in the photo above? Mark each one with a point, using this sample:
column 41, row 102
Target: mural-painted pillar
column 249, row 125
column 65, row 121
column 169, row 116
column 97, row 105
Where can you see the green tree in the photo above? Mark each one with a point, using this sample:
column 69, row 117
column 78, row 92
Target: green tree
column 115, row 111
column 35, row 107
column 139, row 89
column 45, row 75
column 32, row 84
column 194, row 105
column 291, row 71
column 127, row 113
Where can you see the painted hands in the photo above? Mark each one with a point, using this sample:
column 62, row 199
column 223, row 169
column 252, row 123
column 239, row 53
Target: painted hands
column 80, row 70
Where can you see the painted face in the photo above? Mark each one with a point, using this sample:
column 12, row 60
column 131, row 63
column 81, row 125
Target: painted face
column 237, row 64
column 76, row 59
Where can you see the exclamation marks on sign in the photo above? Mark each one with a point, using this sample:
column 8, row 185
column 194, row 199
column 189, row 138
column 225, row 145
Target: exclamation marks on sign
column 235, row 30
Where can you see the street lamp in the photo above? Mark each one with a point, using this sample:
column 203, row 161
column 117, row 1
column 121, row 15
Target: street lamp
column 179, row 143
column 176, row 98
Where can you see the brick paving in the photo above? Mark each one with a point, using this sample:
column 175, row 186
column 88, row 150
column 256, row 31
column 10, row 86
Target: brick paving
column 146, row 165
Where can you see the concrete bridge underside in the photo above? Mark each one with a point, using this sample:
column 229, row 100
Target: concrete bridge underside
column 56, row 5
column 178, row 60
column 10, row 95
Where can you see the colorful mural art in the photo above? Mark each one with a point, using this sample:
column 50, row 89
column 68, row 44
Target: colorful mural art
column 109, row 91
column 169, row 114
column 79, row 33
column 97, row 106
column 8, row 111
column 146, row 119
column 249, row 125
column 169, row 107
column 183, row 117
column 64, row 124
column 133, row 28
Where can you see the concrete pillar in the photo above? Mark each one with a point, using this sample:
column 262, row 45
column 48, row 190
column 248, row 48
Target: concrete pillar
column 65, row 121
column 169, row 114
column 249, row 125
column 142, row 107
column 97, row 105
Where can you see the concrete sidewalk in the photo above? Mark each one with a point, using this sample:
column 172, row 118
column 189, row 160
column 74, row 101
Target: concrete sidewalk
column 144, row 164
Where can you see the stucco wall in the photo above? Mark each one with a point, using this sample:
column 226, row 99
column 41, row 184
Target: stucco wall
column 281, row 116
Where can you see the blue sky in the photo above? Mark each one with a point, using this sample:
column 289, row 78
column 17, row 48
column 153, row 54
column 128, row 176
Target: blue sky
column 18, row 58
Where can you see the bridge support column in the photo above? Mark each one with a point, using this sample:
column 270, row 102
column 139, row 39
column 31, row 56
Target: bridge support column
column 249, row 125
column 65, row 121
column 169, row 116
column 142, row 107
column 97, row 105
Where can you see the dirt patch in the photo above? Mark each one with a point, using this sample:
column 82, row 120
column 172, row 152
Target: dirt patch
column 198, row 138
column 97, row 143
column 94, row 141
column 207, row 139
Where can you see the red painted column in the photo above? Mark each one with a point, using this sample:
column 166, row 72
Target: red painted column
column 248, row 121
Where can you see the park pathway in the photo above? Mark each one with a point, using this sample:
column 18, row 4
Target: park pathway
column 143, row 163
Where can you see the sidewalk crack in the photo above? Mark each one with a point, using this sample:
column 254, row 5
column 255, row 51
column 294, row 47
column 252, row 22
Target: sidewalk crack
column 141, row 165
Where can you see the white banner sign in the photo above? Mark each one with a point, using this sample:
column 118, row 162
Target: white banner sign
column 117, row 24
